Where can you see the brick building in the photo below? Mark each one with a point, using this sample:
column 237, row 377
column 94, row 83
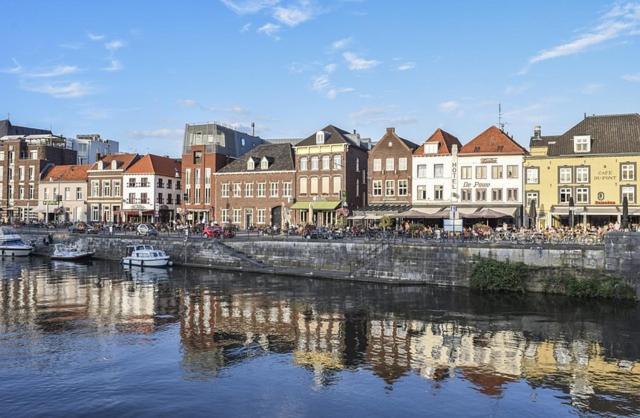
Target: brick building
column 105, row 179
column 257, row 189
column 331, row 173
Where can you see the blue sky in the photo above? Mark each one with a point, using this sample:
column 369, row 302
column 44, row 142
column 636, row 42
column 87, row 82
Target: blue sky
column 137, row 71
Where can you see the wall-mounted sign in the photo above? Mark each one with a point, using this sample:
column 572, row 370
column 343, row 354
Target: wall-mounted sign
column 605, row 202
column 488, row 160
column 605, row 175
column 476, row 184
column 600, row 195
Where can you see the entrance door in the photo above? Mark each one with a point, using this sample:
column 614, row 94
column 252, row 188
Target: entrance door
column 276, row 217
column 248, row 218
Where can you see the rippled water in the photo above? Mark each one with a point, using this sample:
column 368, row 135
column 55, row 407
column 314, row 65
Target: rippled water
column 98, row 340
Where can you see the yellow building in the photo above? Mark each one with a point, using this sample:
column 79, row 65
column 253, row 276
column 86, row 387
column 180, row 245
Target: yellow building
column 593, row 166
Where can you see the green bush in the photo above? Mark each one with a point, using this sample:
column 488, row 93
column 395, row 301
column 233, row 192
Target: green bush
column 495, row 276
column 608, row 288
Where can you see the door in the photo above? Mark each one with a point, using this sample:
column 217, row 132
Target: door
column 276, row 217
column 248, row 218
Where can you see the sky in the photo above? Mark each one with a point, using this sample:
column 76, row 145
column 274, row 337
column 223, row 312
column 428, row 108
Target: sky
column 138, row 71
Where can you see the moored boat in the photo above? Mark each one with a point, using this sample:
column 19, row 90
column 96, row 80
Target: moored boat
column 70, row 253
column 12, row 244
column 146, row 256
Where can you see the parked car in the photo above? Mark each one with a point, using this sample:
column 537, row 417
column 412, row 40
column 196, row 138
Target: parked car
column 146, row 230
column 214, row 231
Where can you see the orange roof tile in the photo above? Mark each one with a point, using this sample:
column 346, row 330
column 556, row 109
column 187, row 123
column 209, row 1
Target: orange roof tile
column 493, row 141
column 124, row 160
column 155, row 164
column 445, row 141
column 67, row 173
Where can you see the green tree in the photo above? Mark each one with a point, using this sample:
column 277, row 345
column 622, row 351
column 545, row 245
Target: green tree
column 386, row 222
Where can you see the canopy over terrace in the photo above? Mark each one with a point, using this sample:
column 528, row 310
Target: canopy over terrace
column 319, row 213
column 377, row 211
column 595, row 215
column 425, row 213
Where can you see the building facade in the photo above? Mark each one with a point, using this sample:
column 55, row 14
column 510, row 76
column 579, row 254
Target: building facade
column 23, row 159
column 105, row 179
column 331, row 174
column 152, row 189
column 593, row 165
column 257, row 189
column 92, row 147
column 63, row 194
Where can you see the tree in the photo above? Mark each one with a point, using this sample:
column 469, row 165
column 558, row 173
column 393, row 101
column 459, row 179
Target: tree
column 386, row 222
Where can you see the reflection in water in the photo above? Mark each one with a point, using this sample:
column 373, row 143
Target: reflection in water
column 588, row 354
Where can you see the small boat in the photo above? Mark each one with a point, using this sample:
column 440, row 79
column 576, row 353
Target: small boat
column 146, row 256
column 70, row 253
column 12, row 244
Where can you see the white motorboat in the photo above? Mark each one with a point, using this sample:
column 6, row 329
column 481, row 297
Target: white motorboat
column 70, row 253
column 146, row 256
column 12, row 244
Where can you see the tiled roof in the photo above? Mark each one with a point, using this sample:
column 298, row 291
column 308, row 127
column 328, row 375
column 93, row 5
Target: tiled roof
column 391, row 132
column 280, row 157
column 335, row 136
column 67, row 173
column 493, row 141
column 124, row 160
column 445, row 141
column 610, row 134
column 155, row 164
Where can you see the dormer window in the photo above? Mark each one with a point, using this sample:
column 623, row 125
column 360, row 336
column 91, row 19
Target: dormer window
column 320, row 137
column 251, row 165
column 431, row 148
column 582, row 143
column 264, row 164
column 114, row 165
column 101, row 165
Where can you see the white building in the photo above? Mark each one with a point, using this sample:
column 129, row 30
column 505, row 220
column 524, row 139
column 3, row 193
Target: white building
column 91, row 147
column 151, row 189
column 63, row 194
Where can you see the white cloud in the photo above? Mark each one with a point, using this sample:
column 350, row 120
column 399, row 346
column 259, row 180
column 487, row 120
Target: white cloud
column 114, row 65
column 192, row 103
column 95, row 37
column 70, row 90
column 294, row 15
column 634, row 78
column 188, row 103
column 621, row 20
column 114, row 45
column 245, row 27
column 270, row 29
column 157, row 133
column 333, row 93
column 341, row 43
column 320, row 82
column 449, row 106
column 16, row 69
column 329, row 68
column 406, row 66
column 592, row 88
column 249, row 6
column 57, row 71
column 355, row 62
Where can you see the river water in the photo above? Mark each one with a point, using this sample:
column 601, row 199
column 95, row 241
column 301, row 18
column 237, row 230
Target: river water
column 97, row 340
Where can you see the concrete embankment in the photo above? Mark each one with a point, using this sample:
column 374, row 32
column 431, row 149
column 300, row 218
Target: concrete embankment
column 384, row 262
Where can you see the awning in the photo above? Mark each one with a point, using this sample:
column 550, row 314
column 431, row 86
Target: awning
column 467, row 211
column 592, row 210
column 356, row 217
column 438, row 212
column 373, row 217
column 489, row 213
column 320, row 205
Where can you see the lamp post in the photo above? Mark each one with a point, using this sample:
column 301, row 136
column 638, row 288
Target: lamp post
column 572, row 208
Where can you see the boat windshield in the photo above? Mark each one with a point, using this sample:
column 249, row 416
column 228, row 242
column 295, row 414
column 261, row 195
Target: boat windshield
column 16, row 242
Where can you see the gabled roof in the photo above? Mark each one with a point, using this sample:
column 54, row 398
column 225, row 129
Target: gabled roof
column 610, row 134
column 491, row 142
column 335, row 135
column 124, row 161
column 391, row 133
column 67, row 173
column 445, row 142
column 280, row 157
column 155, row 164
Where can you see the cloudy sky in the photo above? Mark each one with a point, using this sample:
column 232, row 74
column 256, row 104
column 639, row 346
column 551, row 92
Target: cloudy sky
column 137, row 71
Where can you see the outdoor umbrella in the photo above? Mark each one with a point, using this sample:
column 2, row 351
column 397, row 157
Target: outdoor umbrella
column 625, row 213
column 533, row 215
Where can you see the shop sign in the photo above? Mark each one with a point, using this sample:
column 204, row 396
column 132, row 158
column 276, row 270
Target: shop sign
column 488, row 160
column 605, row 202
column 476, row 184
column 605, row 175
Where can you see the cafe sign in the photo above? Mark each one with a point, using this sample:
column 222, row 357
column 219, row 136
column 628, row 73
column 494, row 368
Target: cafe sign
column 605, row 175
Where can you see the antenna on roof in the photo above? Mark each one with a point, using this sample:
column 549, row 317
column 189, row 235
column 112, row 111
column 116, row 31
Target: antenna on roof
column 500, row 123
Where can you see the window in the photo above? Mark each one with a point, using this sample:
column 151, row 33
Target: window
column 95, row 188
column 422, row 193
column 314, row 185
column 187, row 177
column 377, row 188
column 287, row 189
column 225, row 190
column 32, row 173
column 237, row 190
column 564, row 175
column 116, row 188
column 273, row 189
column 496, row 195
column 95, row 213
column 132, row 198
column 261, row 216
column 582, row 143
column 496, row 171
column 67, row 193
column 531, row 197
column 132, row 182
column 533, row 175
column 161, row 197
column 337, row 184
column 512, row 195
column 357, row 165
column 207, row 177
column 303, row 185
column 325, row 185
column 389, row 188
column 465, row 172
column 21, row 173
column 403, row 187
column 177, row 199
column 1, row 155
column 197, row 157
column 438, row 171
column 320, row 137
column 161, row 183
column 337, row 162
column 79, row 193
column 628, row 172
column 106, row 188
column 248, row 190
column 422, row 171
column 169, row 199
column 582, row 195
column 264, row 164
column 390, row 164
column 402, row 164
column 377, row 164
column 326, row 162
column 262, row 192
column 512, row 171
column 481, row 172
column 582, row 175
column 481, row 195
column 33, row 155
column 224, row 216
column 237, row 214
column 314, row 163
column 207, row 195
column 565, row 194
column 465, row 195
column 251, row 165
column 196, row 179
column 169, row 184
column 31, row 191
column 629, row 192
column 438, row 192
column 143, row 198
column 303, row 164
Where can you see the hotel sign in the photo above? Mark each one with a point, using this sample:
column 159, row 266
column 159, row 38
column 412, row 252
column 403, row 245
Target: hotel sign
column 476, row 184
column 488, row 160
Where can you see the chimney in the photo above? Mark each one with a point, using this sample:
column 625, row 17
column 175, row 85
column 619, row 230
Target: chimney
column 354, row 131
column 391, row 130
column 537, row 132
